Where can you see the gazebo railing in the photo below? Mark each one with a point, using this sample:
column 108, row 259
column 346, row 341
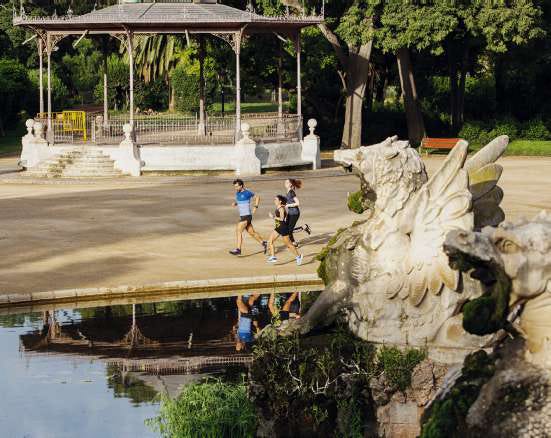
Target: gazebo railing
column 178, row 129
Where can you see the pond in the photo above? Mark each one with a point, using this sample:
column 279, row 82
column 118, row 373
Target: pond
column 93, row 372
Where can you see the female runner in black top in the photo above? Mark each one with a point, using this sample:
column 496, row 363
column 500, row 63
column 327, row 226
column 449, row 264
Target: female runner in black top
column 281, row 229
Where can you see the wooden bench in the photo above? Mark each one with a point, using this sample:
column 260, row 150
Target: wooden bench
column 446, row 144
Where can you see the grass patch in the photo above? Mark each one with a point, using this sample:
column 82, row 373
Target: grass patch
column 248, row 107
column 211, row 409
column 398, row 365
column 528, row 148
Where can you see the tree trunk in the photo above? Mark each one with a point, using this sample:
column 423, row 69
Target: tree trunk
column 356, row 65
column 414, row 117
column 458, row 77
column 357, row 77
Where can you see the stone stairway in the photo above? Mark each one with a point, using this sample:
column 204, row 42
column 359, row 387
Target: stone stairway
column 78, row 163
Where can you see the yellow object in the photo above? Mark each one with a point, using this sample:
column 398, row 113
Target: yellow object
column 74, row 121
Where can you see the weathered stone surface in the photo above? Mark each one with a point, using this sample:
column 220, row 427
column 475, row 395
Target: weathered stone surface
column 390, row 272
column 516, row 402
column 521, row 251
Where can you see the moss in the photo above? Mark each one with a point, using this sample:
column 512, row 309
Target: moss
column 398, row 365
column 323, row 269
column 488, row 313
column 446, row 417
column 355, row 202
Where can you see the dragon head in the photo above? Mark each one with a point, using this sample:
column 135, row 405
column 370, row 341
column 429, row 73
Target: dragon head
column 390, row 172
column 521, row 249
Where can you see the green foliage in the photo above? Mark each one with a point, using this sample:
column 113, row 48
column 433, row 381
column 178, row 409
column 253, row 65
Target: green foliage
column 323, row 268
column 355, row 202
column 488, row 313
column 117, row 83
column 535, row 130
column 14, row 83
column 312, row 385
column 398, row 365
column 82, row 68
column 446, row 417
column 529, row 148
column 211, row 409
column 186, row 86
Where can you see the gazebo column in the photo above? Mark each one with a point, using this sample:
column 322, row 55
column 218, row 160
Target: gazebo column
column 49, row 49
column 237, row 48
column 105, row 83
column 202, row 124
column 299, row 82
column 130, row 36
column 280, row 126
column 41, row 72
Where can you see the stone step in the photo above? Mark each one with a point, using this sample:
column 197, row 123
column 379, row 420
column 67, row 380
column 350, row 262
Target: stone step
column 78, row 163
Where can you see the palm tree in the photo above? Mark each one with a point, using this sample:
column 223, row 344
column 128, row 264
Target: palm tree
column 156, row 57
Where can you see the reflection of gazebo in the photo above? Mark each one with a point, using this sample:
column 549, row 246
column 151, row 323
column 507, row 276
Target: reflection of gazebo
column 166, row 141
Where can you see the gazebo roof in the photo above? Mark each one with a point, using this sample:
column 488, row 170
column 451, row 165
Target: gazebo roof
column 158, row 17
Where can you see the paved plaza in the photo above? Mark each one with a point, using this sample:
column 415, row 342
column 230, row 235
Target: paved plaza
column 158, row 229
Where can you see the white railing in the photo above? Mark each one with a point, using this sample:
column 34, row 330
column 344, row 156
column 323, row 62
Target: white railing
column 179, row 129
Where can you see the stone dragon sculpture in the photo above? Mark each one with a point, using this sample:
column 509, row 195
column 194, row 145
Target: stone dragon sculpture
column 513, row 264
column 389, row 271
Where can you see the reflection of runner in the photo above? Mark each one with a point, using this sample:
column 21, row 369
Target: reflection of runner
column 243, row 198
column 247, row 321
column 281, row 229
column 293, row 209
column 291, row 307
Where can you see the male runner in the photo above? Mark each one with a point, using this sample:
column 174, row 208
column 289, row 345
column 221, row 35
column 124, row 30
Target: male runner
column 243, row 198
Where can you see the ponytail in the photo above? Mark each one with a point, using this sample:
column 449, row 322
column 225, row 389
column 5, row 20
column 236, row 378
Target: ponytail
column 296, row 183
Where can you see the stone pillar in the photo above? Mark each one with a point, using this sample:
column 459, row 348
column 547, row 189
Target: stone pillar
column 35, row 147
column 127, row 158
column 311, row 146
column 246, row 161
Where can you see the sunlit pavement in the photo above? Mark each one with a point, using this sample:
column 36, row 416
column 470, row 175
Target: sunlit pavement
column 152, row 230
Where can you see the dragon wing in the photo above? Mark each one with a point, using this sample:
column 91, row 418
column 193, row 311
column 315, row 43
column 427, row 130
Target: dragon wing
column 484, row 175
column 456, row 197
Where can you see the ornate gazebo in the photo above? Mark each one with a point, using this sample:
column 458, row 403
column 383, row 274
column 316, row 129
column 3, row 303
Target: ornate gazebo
column 245, row 143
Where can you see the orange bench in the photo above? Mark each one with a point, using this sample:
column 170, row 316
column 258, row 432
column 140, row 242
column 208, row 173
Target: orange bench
column 438, row 143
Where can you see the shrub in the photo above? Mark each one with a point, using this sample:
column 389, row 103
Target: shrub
column 211, row 409
column 507, row 126
column 473, row 132
column 186, row 87
column 535, row 130
column 398, row 365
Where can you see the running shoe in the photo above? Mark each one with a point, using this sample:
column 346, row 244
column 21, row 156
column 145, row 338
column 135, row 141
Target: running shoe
column 235, row 252
column 307, row 229
column 272, row 259
column 299, row 260
column 265, row 246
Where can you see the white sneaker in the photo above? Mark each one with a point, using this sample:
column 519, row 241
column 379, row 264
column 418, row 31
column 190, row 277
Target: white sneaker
column 299, row 260
column 272, row 259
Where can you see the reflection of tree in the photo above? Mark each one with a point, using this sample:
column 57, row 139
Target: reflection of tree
column 19, row 320
column 125, row 385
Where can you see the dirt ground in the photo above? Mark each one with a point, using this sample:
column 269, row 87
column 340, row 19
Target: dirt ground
column 152, row 230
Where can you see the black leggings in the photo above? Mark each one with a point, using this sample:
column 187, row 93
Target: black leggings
column 292, row 220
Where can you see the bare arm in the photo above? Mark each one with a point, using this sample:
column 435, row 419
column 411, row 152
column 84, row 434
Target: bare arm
column 256, row 203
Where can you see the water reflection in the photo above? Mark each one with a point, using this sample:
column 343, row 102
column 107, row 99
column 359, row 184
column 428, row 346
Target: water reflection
column 124, row 352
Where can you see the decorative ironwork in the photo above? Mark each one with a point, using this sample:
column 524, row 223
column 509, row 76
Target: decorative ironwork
column 234, row 39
